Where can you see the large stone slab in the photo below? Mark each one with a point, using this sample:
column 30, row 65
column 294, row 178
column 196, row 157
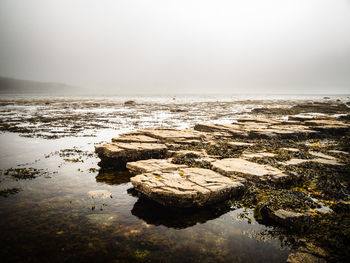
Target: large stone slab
column 315, row 160
column 249, row 170
column 233, row 130
column 185, row 136
column 127, row 138
column 151, row 165
column 118, row 154
column 189, row 187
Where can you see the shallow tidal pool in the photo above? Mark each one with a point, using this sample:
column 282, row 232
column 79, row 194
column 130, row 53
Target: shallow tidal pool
column 70, row 211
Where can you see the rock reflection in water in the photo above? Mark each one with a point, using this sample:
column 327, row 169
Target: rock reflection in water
column 179, row 218
column 112, row 177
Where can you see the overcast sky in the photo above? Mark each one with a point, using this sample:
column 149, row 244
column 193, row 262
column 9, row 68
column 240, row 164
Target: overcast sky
column 207, row 46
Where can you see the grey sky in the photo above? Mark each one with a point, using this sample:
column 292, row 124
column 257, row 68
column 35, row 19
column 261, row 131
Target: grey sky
column 209, row 46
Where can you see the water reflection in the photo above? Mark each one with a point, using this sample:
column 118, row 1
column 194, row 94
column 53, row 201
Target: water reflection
column 179, row 218
column 112, row 177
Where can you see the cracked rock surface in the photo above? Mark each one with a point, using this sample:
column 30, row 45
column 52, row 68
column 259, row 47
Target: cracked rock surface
column 188, row 187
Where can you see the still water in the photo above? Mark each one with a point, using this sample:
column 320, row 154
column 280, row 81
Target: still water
column 73, row 212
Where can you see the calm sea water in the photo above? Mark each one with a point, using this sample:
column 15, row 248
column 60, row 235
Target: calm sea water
column 72, row 212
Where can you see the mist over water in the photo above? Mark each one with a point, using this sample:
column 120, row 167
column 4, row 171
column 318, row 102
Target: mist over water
column 198, row 47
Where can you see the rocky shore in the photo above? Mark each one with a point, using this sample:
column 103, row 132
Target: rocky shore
column 293, row 171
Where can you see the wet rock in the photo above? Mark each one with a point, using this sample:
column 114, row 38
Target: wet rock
column 285, row 217
column 189, row 187
column 151, row 165
column 118, row 154
column 102, row 220
column 130, row 103
column 249, row 170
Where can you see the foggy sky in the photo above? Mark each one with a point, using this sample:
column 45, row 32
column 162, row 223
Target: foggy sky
column 182, row 46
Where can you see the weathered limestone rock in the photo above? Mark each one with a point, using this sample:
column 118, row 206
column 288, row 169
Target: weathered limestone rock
column 185, row 136
column 295, row 161
column 233, row 130
column 322, row 158
column 338, row 152
column 282, row 131
column 285, row 217
column 118, row 154
column 151, row 165
column 239, row 145
column 290, row 149
column 134, row 138
column 249, row 170
column 189, row 187
column 322, row 155
column 249, row 155
column 258, row 120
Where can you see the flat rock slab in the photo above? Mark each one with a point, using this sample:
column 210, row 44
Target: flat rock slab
column 189, row 187
column 290, row 149
column 151, row 165
column 232, row 130
column 118, row 153
column 239, row 145
column 322, row 155
column 249, row 155
column 249, row 170
column 185, row 136
column 297, row 161
column 134, row 138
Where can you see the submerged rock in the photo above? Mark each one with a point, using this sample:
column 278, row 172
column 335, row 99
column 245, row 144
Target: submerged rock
column 249, row 170
column 189, row 187
column 99, row 194
column 302, row 257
